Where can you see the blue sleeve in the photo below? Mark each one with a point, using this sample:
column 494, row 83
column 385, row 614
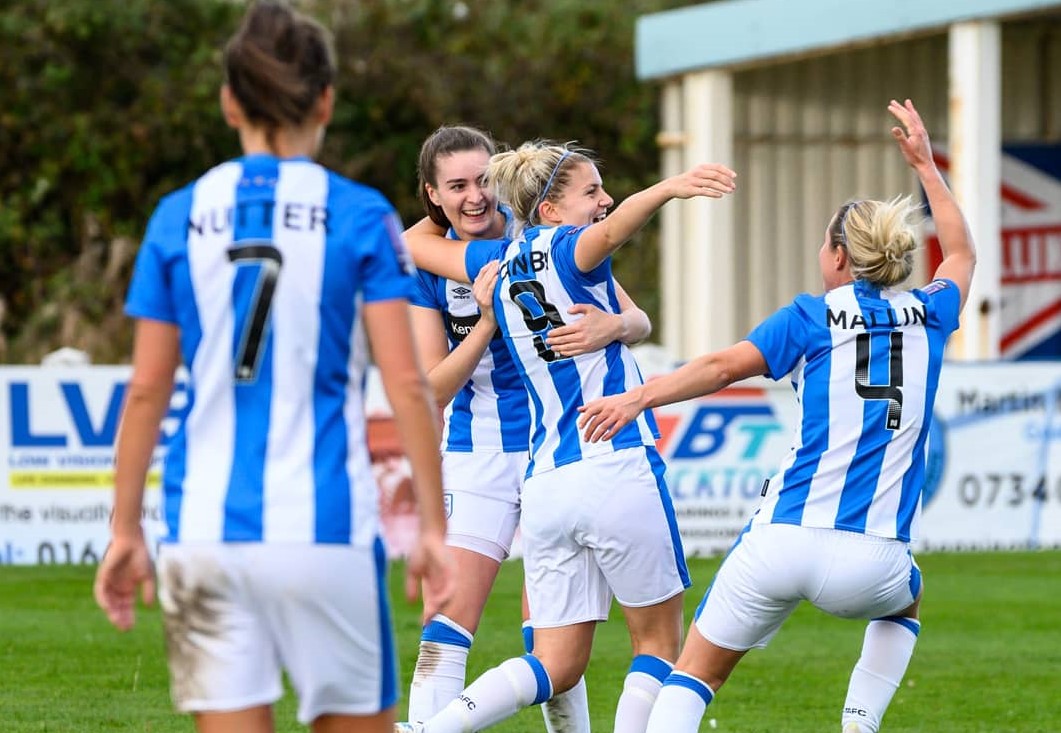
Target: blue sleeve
column 385, row 264
column 151, row 288
column 479, row 252
column 424, row 293
column 782, row 339
column 563, row 254
column 946, row 302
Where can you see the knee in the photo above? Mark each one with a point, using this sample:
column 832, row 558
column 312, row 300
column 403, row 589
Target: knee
column 665, row 647
column 661, row 637
column 564, row 673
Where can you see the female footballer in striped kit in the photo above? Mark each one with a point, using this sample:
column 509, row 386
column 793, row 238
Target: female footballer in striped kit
column 264, row 277
column 835, row 525
column 486, row 430
column 597, row 519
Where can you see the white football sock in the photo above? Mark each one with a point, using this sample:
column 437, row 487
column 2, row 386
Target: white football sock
column 640, row 689
column 498, row 694
column 568, row 712
column 680, row 705
column 886, row 651
column 440, row 667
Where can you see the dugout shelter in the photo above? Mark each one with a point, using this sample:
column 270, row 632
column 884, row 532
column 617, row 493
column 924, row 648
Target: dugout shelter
column 793, row 96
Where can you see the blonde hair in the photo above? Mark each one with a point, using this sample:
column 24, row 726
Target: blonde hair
column 880, row 237
column 537, row 171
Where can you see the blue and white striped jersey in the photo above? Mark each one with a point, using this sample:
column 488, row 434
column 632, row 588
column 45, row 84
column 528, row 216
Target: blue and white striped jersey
column 865, row 365
column 264, row 265
column 491, row 412
column 538, row 283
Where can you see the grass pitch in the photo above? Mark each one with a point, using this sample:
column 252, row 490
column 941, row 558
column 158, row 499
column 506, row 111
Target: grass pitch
column 988, row 659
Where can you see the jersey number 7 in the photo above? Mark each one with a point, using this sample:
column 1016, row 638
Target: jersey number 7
column 267, row 259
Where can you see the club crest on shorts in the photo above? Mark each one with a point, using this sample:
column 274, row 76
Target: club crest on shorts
column 447, row 503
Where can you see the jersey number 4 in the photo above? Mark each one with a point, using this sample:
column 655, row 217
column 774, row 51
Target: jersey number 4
column 893, row 390
column 267, row 259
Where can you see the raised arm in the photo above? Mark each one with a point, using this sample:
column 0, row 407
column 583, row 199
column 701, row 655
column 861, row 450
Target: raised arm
column 391, row 338
column 436, row 253
column 600, row 240
column 595, row 329
column 959, row 253
column 603, row 417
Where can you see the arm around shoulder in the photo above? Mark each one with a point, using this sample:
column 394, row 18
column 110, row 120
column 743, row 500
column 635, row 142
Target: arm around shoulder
column 436, row 253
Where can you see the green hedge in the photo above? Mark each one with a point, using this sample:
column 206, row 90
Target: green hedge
column 108, row 104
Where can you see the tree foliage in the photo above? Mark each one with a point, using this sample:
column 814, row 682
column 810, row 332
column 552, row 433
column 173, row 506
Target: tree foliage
column 107, row 105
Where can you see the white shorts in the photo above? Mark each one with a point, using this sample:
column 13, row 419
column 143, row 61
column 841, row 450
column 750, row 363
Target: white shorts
column 772, row 567
column 236, row 614
column 482, row 496
column 601, row 526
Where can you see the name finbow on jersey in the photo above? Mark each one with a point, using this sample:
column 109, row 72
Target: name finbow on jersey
column 526, row 262
column 906, row 316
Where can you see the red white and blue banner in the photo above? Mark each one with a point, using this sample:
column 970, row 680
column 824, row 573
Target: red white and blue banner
column 1030, row 315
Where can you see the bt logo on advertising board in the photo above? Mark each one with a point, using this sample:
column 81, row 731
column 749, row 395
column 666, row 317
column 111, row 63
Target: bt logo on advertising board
column 721, row 448
column 712, row 423
column 68, row 411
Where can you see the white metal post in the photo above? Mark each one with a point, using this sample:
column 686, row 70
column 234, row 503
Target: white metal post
column 976, row 164
column 708, row 320
column 670, row 140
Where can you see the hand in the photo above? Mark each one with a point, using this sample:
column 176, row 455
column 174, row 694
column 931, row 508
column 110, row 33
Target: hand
column 913, row 141
column 126, row 565
column 707, row 179
column 602, row 418
column 430, row 562
column 483, row 289
column 594, row 330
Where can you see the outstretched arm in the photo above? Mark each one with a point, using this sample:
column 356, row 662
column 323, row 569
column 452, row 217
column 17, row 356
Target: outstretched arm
column 959, row 253
column 434, row 252
column 603, row 417
column 600, row 240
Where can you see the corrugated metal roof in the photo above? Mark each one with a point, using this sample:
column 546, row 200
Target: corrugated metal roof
column 747, row 31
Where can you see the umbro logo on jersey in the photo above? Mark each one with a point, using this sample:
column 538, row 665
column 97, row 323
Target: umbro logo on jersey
column 461, row 292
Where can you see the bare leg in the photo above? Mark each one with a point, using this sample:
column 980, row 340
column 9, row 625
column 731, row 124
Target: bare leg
column 251, row 720
column 382, row 722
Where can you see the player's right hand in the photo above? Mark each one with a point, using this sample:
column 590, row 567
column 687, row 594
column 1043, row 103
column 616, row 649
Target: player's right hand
column 430, row 563
column 126, row 566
